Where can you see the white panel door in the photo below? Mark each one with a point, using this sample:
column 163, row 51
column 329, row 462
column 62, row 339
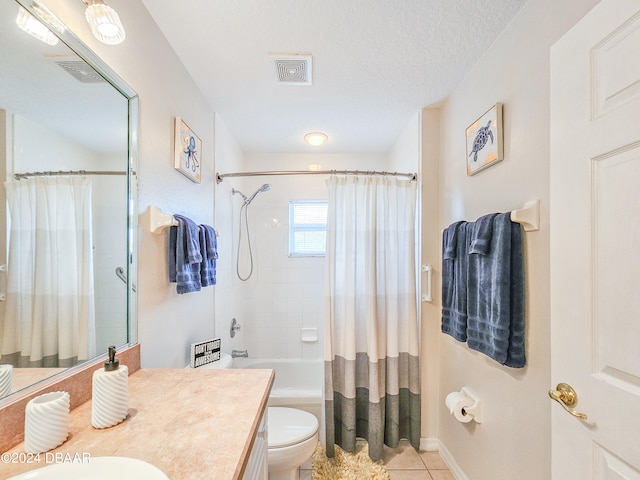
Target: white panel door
column 595, row 243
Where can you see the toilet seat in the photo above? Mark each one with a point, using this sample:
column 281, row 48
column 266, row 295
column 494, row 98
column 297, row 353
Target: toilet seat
column 289, row 426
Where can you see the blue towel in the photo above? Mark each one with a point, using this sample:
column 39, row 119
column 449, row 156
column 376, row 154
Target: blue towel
column 192, row 239
column 171, row 254
column 187, row 274
column 209, row 247
column 516, row 357
column 495, row 293
column 480, row 237
column 454, row 280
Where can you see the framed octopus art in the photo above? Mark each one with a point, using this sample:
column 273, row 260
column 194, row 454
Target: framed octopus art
column 484, row 140
column 188, row 151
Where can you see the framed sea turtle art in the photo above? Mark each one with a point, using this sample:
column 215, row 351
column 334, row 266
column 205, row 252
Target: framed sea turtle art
column 484, row 140
column 188, row 151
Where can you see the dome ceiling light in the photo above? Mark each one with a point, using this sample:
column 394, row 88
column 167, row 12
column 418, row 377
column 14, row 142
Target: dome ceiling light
column 315, row 139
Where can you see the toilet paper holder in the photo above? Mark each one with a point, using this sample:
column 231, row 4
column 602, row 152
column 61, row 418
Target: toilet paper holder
column 474, row 409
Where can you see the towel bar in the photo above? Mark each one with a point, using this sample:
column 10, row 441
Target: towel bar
column 158, row 220
column 528, row 216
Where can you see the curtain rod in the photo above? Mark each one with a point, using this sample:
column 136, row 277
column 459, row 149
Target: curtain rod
column 221, row 176
column 19, row 176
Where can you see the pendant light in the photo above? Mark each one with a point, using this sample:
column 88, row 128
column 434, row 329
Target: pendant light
column 104, row 22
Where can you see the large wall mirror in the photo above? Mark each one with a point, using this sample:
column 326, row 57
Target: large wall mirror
column 67, row 229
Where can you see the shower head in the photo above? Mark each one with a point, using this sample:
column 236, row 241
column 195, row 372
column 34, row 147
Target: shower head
column 264, row 188
column 234, row 191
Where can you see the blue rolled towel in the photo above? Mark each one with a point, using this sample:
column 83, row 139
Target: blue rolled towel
column 454, row 280
column 209, row 246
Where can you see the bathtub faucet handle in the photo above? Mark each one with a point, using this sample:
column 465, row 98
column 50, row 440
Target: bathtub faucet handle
column 235, row 327
column 239, row 353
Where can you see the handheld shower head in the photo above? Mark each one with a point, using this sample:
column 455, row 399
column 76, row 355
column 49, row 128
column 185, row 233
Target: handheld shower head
column 264, row 188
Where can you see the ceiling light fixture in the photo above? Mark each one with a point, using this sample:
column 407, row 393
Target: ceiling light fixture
column 315, row 138
column 34, row 27
column 104, row 22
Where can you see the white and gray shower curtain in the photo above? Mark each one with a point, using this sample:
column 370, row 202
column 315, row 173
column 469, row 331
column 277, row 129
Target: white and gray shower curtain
column 372, row 381
column 49, row 318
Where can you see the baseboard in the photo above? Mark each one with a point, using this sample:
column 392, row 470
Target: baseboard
column 430, row 444
column 446, row 456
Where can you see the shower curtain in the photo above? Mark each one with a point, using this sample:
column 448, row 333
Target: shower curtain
column 371, row 357
column 50, row 313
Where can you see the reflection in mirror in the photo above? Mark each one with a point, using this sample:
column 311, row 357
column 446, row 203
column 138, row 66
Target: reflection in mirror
column 65, row 150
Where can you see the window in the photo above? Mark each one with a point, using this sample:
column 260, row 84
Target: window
column 307, row 228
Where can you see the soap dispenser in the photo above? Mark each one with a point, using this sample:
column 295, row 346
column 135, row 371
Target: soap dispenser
column 110, row 398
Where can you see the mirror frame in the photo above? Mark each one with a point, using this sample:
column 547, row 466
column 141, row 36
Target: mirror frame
column 100, row 66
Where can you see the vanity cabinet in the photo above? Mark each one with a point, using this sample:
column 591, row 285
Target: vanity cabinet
column 258, row 465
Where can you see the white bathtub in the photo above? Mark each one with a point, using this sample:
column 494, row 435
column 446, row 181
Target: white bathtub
column 298, row 383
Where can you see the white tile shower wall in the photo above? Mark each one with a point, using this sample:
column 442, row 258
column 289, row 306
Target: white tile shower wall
column 288, row 293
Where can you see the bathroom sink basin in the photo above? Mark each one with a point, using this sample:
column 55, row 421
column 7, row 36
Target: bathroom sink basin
column 96, row 468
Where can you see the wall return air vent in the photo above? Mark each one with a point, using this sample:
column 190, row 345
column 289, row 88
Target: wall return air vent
column 293, row 69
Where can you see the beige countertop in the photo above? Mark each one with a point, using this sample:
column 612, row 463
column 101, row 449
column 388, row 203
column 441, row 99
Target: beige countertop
column 191, row 423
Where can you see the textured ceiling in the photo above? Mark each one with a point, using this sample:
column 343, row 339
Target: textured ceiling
column 376, row 63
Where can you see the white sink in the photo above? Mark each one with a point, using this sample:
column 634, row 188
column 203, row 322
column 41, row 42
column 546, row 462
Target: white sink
column 96, row 468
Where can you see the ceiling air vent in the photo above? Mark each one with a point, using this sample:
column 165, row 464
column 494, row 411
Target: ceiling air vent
column 81, row 71
column 293, row 69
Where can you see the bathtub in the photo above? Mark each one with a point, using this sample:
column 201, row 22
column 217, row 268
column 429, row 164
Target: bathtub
column 298, row 383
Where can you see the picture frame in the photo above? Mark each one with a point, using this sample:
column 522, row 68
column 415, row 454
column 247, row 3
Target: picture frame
column 188, row 151
column 484, row 140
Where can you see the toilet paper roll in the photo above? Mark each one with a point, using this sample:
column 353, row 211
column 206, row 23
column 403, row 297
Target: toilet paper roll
column 46, row 422
column 457, row 403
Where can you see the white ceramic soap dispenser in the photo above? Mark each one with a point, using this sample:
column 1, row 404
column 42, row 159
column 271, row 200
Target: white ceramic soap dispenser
column 110, row 401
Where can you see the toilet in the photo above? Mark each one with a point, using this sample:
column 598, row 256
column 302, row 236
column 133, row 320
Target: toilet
column 292, row 439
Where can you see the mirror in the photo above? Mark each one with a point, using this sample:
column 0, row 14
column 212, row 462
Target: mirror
column 67, row 234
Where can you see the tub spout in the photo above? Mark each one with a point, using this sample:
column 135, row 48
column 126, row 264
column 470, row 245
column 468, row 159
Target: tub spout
column 239, row 353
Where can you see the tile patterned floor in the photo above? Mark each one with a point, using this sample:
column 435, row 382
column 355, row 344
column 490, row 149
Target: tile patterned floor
column 404, row 463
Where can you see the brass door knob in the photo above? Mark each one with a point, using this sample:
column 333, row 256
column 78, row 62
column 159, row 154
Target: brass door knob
column 566, row 396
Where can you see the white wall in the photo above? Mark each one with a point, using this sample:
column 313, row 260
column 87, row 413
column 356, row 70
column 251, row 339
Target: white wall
column 404, row 156
column 167, row 322
column 514, row 440
column 228, row 158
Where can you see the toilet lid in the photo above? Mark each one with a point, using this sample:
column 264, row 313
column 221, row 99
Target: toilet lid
column 288, row 426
